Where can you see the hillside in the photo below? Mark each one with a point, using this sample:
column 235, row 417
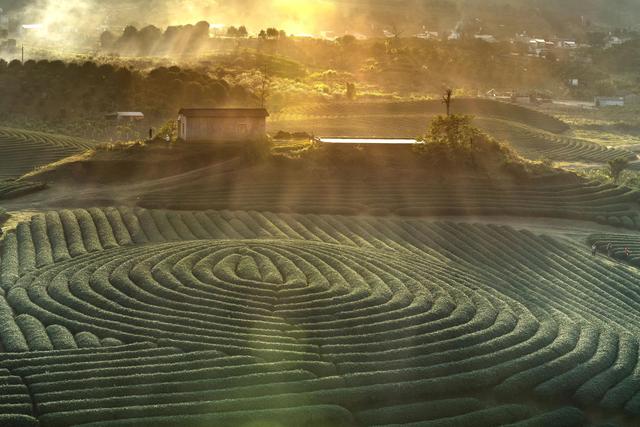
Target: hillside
column 332, row 179
column 470, row 106
column 533, row 134
column 444, row 283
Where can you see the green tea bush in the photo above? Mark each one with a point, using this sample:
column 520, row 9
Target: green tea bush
column 128, row 314
column 563, row 417
column 321, row 416
column 61, row 338
column 34, row 333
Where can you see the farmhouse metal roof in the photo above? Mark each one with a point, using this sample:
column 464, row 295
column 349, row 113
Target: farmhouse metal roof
column 131, row 115
column 224, row 112
column 126, row 114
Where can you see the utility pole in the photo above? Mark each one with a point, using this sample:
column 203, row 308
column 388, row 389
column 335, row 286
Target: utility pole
column 23, row 54
column 446, row 99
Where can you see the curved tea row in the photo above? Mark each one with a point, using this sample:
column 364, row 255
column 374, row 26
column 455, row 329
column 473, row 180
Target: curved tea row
column 530, row 142
column 537, row 144
column 10, row 189
column 584, row 200
column 228, row 318
column 21, row 151
column 475, row 107
column 619, row 242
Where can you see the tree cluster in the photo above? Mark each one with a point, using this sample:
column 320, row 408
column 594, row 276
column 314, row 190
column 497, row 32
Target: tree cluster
column 62, row 95
column 151, row 40
column 240, row 32
column 272, row 34
column 454, row 141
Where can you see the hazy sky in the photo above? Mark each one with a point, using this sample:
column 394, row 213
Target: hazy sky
column 292, row 15
column 63, row 17
column 296, row 15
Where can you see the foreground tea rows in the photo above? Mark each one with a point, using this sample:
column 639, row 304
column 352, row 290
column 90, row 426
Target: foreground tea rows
column 607, row 204
column 226, row 318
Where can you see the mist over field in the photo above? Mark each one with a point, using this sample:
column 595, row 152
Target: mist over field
column 73, row 20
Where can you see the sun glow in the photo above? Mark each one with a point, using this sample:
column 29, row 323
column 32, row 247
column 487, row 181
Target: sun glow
column 304, row 17
column 293, row 16
column 72, row 21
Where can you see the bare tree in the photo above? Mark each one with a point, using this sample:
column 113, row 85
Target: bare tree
column 447, row 99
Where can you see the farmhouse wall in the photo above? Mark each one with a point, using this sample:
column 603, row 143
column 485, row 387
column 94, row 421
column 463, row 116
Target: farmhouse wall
column 211, row 129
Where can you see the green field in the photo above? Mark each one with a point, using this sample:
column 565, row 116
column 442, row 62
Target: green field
column 11, row 189
column 471, row 106
column 361, row 287
column 22, row 151
column 530, row 142
column 619, row 242
column 583, row 200
column 129, row 317
column 534, row 135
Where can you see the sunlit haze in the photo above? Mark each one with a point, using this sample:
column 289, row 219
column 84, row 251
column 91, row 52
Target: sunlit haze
column 319, row 213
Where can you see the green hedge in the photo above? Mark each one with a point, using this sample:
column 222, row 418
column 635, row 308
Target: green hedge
column 309, row 416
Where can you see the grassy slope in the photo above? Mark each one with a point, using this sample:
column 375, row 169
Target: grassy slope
column 530, row 142
column 372, row 180
column 535, row 135
column 470, row 106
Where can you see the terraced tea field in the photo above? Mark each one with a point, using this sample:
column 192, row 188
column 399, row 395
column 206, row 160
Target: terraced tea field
column 133, row 317
column 536, row 144
column 606, row 204
column 10, row 189
column 22, row 151
column 530, row 142
column 619, row 242
column 472, row 106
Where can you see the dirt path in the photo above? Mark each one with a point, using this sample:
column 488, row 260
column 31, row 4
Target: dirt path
column 75, row 193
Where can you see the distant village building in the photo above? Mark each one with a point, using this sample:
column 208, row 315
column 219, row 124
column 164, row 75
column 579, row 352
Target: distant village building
column 222, row 124
column 537, row 46
column 429, row 35
column 486, row 38
column 613, row 41
column 604, row 101
column 566, row 44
